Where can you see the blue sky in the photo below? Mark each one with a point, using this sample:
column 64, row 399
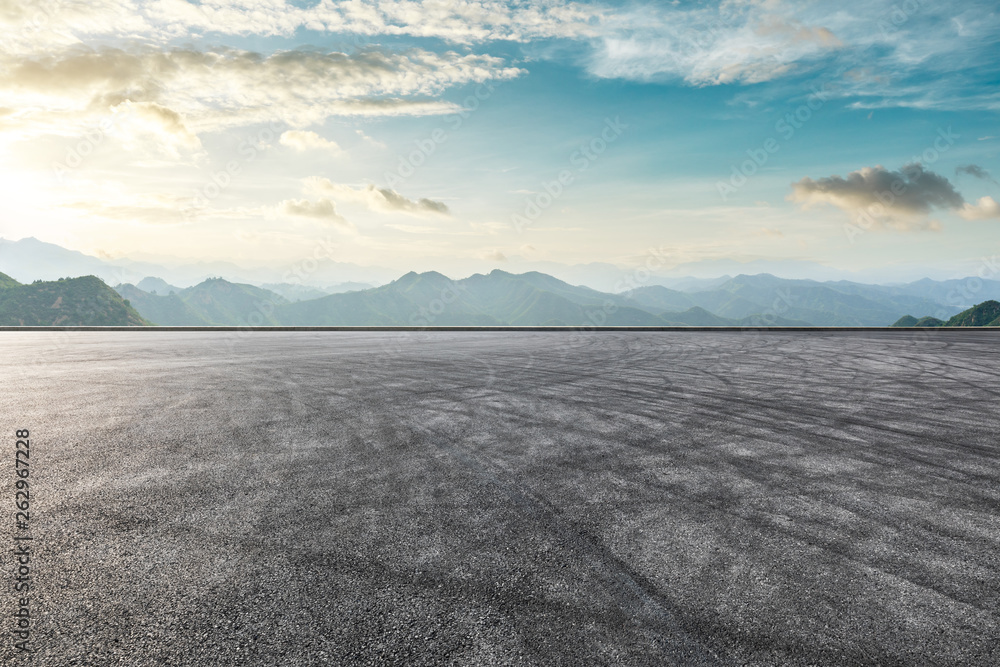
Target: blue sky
column 433, row 135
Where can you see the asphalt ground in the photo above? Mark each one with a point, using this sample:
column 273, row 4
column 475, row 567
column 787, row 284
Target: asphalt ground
column 504, row 498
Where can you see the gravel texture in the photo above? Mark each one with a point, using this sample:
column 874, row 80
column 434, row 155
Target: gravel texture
column 506, row 498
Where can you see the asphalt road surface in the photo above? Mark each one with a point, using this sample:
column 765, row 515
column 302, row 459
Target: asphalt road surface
column 504, row 498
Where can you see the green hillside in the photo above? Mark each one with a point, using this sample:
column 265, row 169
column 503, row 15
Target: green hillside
column 536, row 299
column 697, row 317
column 986, row 314
column 659, row 299
column 221, row 302
column 85, row 301
column 169, row 310
column 7, row 281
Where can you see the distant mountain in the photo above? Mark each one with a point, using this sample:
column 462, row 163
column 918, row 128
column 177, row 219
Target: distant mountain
column 412, row 300
column 496, row 299
column 500, row 298
column 157, row 286
column 986, row 314
column 85, row 301
column 823, row 304
column 963, row 293
column 659, row 298
column 292, row 292
column 537, row 299
column 349, row 286
column 689, row 284
column 30, row 259
column 166, row 310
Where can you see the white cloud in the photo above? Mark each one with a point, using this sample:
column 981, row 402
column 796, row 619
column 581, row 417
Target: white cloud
column 705, row 46
column 30, row 24
column 383, row 200
column 985, row 208
column 189, row 92
column 322, row 209
column 155, row 209
column 460, row 22
column 302, row 141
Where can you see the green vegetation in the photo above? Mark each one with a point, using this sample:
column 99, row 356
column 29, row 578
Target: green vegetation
column 910, row 321
column 495, row 299
column 986, row 314
column 221, row 302
column 214, row 302
column 7, row 281
column 167, row 310
column 83, row 301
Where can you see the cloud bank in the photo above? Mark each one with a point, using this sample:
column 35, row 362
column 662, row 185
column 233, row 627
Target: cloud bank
column 900, row 199
column 211, row 90
column 382, row 200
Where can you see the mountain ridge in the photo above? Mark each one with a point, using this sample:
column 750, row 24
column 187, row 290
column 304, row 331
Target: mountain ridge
column 83, row 301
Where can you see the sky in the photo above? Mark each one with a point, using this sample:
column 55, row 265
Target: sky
column 467, row 136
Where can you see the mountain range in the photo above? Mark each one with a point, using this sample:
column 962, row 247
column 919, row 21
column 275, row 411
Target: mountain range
column 30, row 259
column 497, row 298
column 500, row 298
